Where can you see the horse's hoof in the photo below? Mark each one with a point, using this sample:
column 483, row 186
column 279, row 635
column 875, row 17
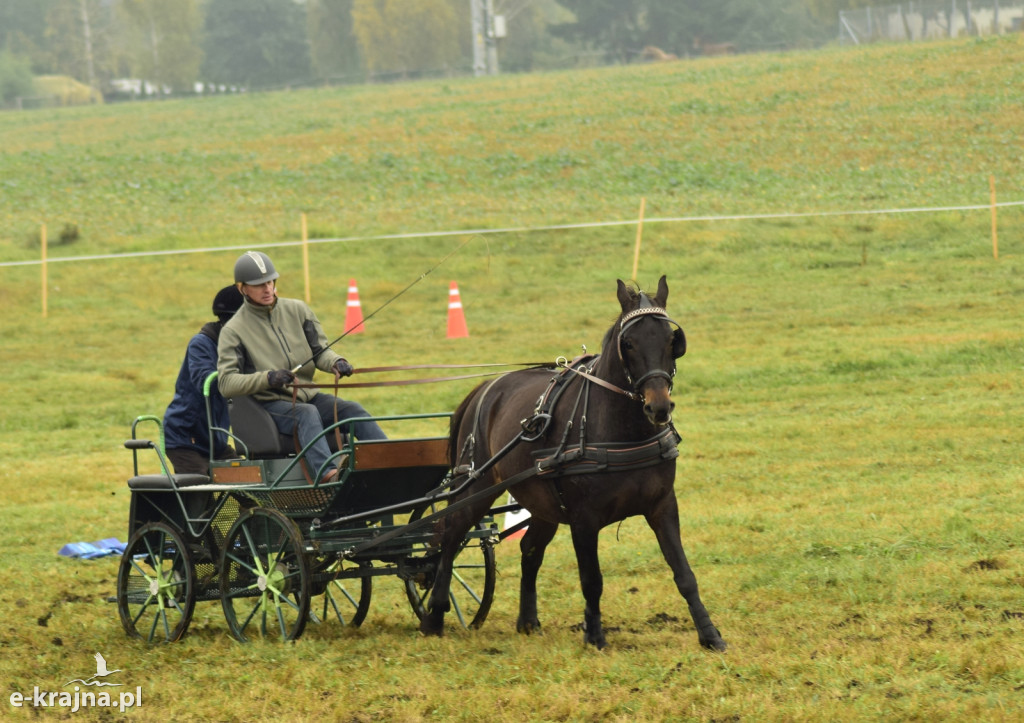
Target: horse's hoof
column 431, row 630
column 528, row 627
column 713, row 641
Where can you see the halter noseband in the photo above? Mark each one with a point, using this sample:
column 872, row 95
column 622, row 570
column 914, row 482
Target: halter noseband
column 628, row 319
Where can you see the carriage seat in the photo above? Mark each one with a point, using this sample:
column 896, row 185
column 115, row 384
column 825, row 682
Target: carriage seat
column 166, row 482
column 252, row 424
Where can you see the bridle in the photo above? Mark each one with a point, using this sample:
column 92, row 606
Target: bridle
column 629, row 319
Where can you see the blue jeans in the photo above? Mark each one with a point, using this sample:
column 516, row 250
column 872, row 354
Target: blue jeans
column 311, row 418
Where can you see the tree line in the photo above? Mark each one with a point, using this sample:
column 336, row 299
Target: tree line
column 174, row 44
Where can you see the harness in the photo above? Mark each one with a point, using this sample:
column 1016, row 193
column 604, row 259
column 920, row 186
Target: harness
column 580, row 458
column 560, row 461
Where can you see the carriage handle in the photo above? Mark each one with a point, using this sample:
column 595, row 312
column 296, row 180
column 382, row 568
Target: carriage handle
column 211, row 428
column 135, row 444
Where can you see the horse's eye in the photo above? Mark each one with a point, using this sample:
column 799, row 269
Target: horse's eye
column 627, row 344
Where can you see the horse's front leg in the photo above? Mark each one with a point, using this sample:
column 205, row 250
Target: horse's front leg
column 665, row 523
column 432, row 621
column 532, row 547
column 584, row 541
column 452, row 532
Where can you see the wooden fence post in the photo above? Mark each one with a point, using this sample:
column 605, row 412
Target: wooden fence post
column 305, row 258
column 42, row 242
column 639, row 234
column 995, row 233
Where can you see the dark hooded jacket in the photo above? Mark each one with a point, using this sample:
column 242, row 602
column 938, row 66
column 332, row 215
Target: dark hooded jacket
column 185, row 421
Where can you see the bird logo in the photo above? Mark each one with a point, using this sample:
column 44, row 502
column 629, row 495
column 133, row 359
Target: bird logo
column 101, row 672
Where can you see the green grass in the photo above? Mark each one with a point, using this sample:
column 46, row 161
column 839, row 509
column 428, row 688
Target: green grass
column 850, row 406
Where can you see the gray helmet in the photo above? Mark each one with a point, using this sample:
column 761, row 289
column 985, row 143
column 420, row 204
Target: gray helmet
column 254, row 268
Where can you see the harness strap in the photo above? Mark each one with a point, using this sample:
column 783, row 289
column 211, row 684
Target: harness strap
column 397, row 382
column 602, row 383
column 659, row 448
column 609, row 456
column 337, row 430
column 303, row 464
column 369, row 370
column 493, row 491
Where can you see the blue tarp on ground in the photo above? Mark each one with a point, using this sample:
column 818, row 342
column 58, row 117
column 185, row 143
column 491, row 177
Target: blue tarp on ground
column 89, row 550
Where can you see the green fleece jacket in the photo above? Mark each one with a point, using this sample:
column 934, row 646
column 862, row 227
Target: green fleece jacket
column 260, row 339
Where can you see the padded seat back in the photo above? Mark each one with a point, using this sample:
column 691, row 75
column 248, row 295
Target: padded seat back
column 252, row 424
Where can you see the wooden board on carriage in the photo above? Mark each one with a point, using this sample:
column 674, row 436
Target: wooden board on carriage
column 402, row 453
column 238, row 472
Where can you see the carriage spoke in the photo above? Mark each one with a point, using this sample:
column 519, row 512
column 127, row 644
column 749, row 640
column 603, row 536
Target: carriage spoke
column 263, row 562
column 466, row 586
column 255, row 609
column 471, row 588
column 347, row 608
column 155, row 592
column 281, row 622
column 142, row 611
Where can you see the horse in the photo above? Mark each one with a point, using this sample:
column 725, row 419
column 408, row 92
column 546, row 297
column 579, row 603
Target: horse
column 595, row 445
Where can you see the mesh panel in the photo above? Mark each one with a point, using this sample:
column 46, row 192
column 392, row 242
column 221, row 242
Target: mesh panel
column 297, row 501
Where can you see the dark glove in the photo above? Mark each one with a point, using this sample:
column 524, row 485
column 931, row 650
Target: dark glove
column 279, row 378
column 342, row 368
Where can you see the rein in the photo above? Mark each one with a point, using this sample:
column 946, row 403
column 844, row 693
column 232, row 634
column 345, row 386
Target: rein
column 627, row 320
column 586, row 374
column 427, row 380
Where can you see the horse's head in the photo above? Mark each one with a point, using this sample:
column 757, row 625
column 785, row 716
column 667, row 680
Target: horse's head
column 649, row 342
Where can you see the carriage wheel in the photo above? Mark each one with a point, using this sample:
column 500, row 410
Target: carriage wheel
column 473, row 574
column 340, row 601
column 264, row 577
column 156, row 584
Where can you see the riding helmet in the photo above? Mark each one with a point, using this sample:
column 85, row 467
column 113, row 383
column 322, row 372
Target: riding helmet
column 227, row 301
column 254, row 268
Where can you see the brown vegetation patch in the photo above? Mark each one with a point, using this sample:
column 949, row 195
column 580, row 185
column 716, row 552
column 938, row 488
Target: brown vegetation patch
column 984, row 564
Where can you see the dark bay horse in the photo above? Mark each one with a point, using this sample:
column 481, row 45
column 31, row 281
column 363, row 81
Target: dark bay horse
column 587, row 447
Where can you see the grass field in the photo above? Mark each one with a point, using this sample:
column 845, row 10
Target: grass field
column 850, row 406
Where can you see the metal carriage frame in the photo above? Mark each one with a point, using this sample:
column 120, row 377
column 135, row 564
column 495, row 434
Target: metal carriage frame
column 279, row 552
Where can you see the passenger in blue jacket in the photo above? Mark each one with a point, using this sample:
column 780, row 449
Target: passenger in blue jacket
column 186, row 432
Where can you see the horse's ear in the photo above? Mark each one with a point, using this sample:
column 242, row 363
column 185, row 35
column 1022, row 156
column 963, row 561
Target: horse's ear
column 678, row 343
column 662, row 296
column 625, row 298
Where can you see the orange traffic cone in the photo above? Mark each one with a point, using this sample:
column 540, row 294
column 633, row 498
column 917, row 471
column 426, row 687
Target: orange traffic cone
column 456, row 318
column 353, row 310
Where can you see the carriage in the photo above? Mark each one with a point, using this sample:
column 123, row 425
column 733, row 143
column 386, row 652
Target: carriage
column 279, row 550
column 586, row 446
